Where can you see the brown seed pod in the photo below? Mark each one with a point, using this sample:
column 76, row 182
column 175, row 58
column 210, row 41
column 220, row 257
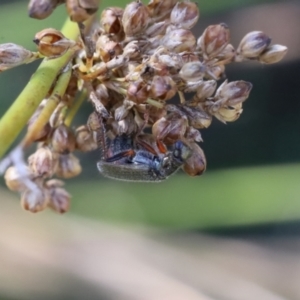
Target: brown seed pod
column 63, row 140
column 52, row 43
column 59, row 198
column 111, row 20
column 84, row 139
column 41, row 9
column 81, row 10
column 68, row 166
column 195, row 165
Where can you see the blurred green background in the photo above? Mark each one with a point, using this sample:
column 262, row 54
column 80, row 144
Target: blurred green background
column 253, row 163
column 142, row 241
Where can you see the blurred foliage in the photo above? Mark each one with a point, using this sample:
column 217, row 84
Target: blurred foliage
column 266, row 133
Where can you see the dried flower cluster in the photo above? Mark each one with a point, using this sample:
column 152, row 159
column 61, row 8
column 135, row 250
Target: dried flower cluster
column 130, row 65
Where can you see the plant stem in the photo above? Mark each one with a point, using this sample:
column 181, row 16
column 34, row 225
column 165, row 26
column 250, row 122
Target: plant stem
column 52, row 102
column 16, row 117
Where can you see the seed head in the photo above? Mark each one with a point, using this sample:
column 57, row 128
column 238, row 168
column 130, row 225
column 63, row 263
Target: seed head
column 12, row 55
column 273, row 54
column 34, row 201
column 81, row 10
column 111, row 20
column 59, row 198
column 68, row 166
column 52, row 43
column 252, row 45
column 214, row 40
column 84, row 139
column 135, row 18
column 195, row 165
column 43, row 162
column 185, row 14
column 41, row 9
column 63, row 140
column 14, row 181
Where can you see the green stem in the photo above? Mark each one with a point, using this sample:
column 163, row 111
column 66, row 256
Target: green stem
column 16, row 117
column 75, row 107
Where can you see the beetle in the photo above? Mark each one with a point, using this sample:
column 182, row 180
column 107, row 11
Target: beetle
column 135, row 157
column 128, row 160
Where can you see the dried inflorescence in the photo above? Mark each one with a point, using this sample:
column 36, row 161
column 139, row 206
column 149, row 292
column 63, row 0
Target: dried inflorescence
column 130, row 65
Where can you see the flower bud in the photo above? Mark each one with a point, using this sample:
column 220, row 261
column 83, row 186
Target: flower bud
column 138, row 92
column 110, row 20
column 273, row 54
column 14, row 181
column 68, row 166
column 135, row 18
column 252, row 45
column 185, row 14
column 84, row 139
column 63, row 140
column 195, row 165
column 59, row 198
column 43, row 162
column 214, row 40
column 192, row 71
column 81, row 10
column 162, row 88
column 41, row 9
column 234, row 92
column 12, row 55
column 52, row 43
column 34, row 201
column 179, row 40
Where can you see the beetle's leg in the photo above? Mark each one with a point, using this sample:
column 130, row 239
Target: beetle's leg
column 146, row 146
column 118, row 156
